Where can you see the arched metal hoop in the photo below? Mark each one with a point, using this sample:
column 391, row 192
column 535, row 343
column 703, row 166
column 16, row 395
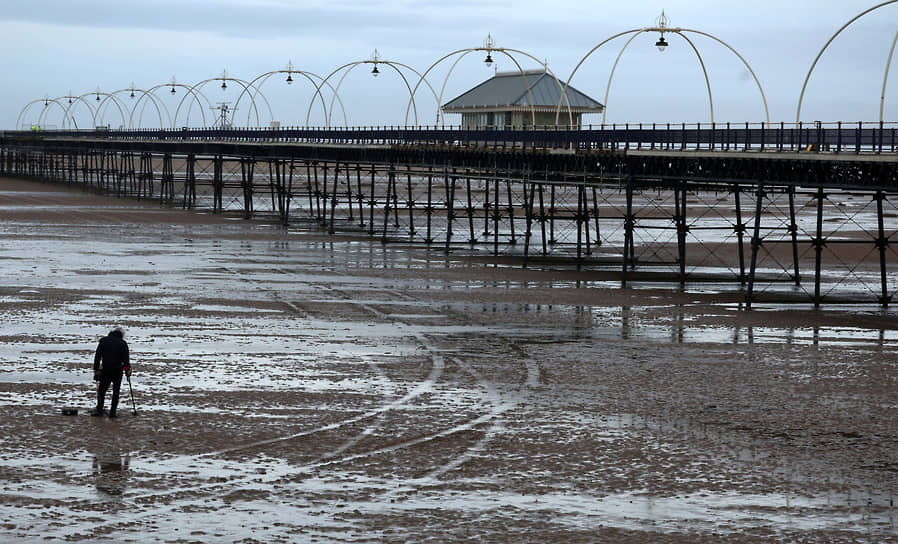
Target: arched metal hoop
column 260, row 80
column 113, row 96
column 102, row 106
column 42, row 118
column 350, row 66
column 190, row 91
column 828, row 42
column 197, row 88
column 508, row 53
column 670, row 30
column 43, row 112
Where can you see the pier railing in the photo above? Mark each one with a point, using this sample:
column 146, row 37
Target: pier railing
column 837, row 137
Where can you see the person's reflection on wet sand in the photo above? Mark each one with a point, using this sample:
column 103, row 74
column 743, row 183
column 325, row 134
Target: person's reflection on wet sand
column 110, row 471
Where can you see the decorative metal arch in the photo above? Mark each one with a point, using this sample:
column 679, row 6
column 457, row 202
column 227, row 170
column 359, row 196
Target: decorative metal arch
column 196, row 100
column 290, row 71
column 132, row 89
column 489, row 47
column 46, row 101
column 375, row 60
column 73, row 101
column 102, row 105
column 662, row 27
column 93, row 112
column 885, row 76
column 224, row 78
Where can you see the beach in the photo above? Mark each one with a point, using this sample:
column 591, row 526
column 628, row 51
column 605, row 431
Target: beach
column 290, row 386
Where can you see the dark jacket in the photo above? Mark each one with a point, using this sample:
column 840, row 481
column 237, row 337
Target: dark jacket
column 112, row 354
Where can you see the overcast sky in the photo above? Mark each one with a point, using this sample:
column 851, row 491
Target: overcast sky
column 56, row 47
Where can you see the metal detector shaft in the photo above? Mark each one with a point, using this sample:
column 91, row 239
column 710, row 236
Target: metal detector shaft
column 132, row 394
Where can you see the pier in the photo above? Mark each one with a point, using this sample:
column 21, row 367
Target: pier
column 803, row 212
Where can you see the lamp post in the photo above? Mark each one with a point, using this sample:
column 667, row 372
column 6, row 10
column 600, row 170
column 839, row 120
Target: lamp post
column 289, row 72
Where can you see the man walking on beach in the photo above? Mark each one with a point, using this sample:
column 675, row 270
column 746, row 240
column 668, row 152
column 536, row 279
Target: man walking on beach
column 110, row 361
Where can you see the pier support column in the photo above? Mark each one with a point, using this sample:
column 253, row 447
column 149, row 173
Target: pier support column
column 217, row 184
column 819, row 243
column 387, row 202
column 793, row 230
column 513, row 240
column 372, row 202
column 629, row 223
column 333, row 199
column 349, row 196
column 247, row 171
column 496, row 214
column 317, row 192
column 360, row 195
column 167, row 186
column 578, row 220
column 470, row 209
column 450, row 205
column 739, row 229
column 322, row 218
column 528, row 212
column 542, row 219
column 410, row 204
column 682, row 228
column 755, row 245
column 190, row 183
column 429, row 209
column 882, row 242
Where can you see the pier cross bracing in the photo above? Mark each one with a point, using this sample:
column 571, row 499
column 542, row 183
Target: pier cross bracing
column 800, row 213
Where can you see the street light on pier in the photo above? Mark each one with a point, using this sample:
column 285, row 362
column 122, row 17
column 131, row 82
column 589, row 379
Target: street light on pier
column 132, row 89
column 290, row 72
column 375, row 58
column 661, row 23
column 224, row 77
column 488, row 44
column 173, row 83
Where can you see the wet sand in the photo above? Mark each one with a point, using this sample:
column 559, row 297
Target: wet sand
column 292, row 386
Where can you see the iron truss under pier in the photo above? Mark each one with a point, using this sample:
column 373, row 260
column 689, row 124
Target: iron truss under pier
column 786, row 214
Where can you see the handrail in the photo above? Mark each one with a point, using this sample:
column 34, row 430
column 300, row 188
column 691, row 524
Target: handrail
column 836, row 137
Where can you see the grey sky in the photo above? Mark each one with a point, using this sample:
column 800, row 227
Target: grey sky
column 51, row 47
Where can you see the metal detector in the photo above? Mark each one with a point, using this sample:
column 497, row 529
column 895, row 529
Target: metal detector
column 132, row 394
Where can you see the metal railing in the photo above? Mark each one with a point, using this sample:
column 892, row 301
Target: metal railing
column 835, row 137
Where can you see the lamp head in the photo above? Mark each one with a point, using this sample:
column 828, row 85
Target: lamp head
column 375, row 71
column 661, row 44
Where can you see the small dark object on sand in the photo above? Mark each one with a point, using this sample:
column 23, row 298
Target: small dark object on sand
column 70, row 411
